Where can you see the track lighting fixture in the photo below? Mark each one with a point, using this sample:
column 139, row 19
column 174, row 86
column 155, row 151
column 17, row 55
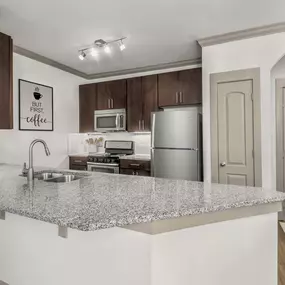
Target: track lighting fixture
column 95, row 48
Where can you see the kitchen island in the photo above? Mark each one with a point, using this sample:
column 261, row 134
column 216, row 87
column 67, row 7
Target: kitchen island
column 117, row 229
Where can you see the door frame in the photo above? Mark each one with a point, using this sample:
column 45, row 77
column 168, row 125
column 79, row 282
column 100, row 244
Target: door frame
column 231, row 76
column 279, row 107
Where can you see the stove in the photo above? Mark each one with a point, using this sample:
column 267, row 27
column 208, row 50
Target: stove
column 109, row 162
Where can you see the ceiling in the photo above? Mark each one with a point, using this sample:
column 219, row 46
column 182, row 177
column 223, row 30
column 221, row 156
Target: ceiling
column 157, row 31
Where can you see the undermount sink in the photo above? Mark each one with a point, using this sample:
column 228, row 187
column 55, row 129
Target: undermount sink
column 57, row 177
column 47, row 175
column 64, row 178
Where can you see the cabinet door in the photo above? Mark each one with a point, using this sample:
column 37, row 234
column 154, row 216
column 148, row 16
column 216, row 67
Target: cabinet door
column 87, row 105
column 149, row 93
column 134, row 172
column 134, row 104
column 190, row 86
column 127, row 171
column 112, row 95
column 78, row 167
column 6, row 82
column 168, row 88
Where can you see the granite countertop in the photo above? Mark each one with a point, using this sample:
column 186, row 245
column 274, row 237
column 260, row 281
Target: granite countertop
column 136, row 157
column 101, row 201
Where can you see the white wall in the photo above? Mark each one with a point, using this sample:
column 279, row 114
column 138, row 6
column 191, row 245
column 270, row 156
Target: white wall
column 14, row 144
column 262, row 52
column 77, row 143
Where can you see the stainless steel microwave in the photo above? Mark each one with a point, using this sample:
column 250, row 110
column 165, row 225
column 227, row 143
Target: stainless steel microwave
column 110, row 120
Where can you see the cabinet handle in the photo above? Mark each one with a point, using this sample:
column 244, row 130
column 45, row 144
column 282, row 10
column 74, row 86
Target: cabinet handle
column 181, row 97
column 133, row 173
column 137, row 173
column 78, row 161
column 140, row 125
column 176, row 97
column 143, row 125
column 135, row 164
column 112, row 103
column 108, row 103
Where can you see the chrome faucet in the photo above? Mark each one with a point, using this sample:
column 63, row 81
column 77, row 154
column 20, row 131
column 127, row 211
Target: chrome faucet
column 30, row 173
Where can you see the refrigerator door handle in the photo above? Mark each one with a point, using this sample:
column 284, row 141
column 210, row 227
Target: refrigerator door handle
column 152, row 163
column 152, row 130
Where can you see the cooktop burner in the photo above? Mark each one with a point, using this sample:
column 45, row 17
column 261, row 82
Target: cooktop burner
column 105, row 158
column 113, row 151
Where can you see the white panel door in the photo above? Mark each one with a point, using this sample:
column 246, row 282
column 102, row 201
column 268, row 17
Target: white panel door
column 235, row 133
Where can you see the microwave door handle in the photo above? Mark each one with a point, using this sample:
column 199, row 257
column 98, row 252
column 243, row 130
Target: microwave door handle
column 117, row 121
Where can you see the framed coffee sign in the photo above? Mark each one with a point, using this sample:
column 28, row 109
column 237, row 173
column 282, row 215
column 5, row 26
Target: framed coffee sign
column 35, row 106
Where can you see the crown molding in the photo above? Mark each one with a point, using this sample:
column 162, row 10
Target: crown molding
column 53, row 63
column 158, row 67
column 243, row 34
column 48, row 61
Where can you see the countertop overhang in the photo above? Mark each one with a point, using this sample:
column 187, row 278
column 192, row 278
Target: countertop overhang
column 101, row 201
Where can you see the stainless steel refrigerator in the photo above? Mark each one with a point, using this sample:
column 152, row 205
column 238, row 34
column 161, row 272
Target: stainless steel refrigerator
column 176, row 144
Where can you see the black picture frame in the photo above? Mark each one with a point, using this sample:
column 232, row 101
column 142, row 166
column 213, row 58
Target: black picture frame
column 19, row 107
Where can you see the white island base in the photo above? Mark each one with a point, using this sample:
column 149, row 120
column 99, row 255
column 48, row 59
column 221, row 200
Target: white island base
column 236, row 252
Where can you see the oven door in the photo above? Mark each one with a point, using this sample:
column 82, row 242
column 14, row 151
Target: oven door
column 102, row 167
column 109, row 120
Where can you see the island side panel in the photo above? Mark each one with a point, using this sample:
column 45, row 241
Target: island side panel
column 242, row 251
column 34, row 254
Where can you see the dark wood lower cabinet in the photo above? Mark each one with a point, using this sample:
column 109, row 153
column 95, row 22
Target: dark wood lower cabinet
column 78, row 163
column 135, row 167
column 78, row 167
column 134, row 172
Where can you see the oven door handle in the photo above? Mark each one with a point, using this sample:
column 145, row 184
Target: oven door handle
column 103, row 165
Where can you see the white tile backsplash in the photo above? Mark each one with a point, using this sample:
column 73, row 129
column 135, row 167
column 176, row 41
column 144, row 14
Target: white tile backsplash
column 77, row 144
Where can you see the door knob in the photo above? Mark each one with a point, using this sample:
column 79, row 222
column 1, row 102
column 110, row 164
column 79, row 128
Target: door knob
column 223, row 164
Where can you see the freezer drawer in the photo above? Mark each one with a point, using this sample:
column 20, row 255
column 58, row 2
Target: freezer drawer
column 175, row 164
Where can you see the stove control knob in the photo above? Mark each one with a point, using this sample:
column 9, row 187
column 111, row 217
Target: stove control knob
column 90, row 159
column 108, row 160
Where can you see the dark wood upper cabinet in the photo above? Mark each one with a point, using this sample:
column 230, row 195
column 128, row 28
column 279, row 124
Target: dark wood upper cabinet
column 142, row 100
column 87, row 105
column 134, row 104
column 140, row 96
column 180, row 88
column 168, row 88
column 149, row 92
column 6, row 82
column 190, row 86
column 112, row 95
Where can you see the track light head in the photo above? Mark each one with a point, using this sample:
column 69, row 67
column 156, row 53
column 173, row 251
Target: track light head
column 122, row 46
column 107, row 49
column 82, row 55
column 94, row 52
